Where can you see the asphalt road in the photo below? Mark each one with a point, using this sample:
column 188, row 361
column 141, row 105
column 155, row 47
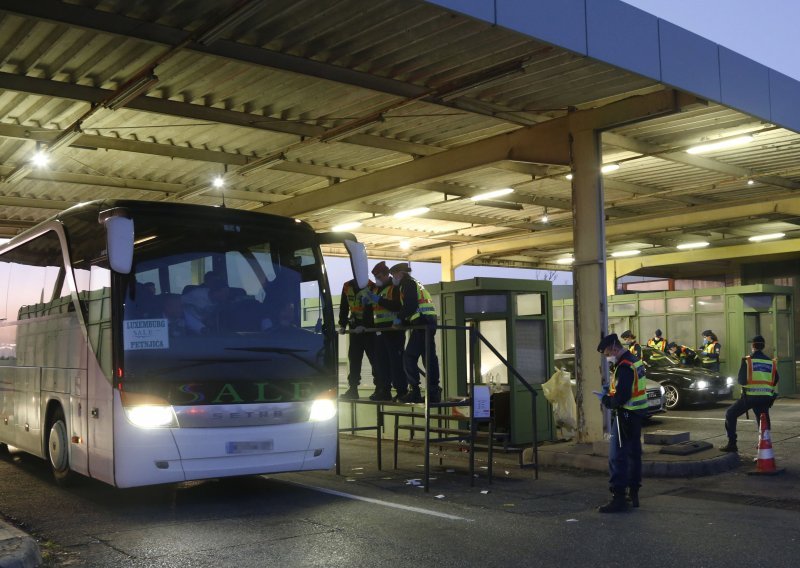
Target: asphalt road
column 376, row 518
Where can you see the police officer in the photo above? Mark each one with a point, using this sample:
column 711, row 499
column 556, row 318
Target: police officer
column 710, row 351
column 388, row 342
column 758, row 375
column 630, row 341
column 627, row 399
column 417, row 310
column 658, row 342
column 353, row 313
column 682, row 352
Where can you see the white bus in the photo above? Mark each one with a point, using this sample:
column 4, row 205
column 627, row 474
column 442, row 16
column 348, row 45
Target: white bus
column 145, row 343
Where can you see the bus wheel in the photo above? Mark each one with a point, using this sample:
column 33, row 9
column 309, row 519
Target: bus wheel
column 58, row 449
column 3, row 449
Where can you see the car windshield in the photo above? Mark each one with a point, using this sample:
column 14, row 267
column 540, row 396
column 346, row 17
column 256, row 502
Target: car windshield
column 657, row 358
column 226, row 314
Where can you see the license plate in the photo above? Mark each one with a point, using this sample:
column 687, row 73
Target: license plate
column 248, row 447
column 654, row 402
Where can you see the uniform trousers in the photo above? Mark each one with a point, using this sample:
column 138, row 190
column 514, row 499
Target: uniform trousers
column 625, row 458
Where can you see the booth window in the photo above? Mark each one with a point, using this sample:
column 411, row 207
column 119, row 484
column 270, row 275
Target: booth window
column 529, row 305
column 486, row 303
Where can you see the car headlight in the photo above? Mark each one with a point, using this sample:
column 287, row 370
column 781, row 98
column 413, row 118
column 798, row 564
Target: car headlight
column 322, row 409
column 729, row 382
column 700, row 385
column 151, row 416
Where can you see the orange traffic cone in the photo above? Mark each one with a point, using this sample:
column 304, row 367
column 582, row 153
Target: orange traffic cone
column 766, row 459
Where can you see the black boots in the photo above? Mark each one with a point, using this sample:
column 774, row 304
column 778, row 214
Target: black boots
column 617, row 503
column 729, row 447
column 633, row 497
column 350, row 394
column 413, row 395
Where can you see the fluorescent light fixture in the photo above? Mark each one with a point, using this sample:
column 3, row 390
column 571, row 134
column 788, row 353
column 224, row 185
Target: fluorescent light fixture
column 545, row 218
column 40, row 159
column 623, row 253
column 565, row 260
column 720, row 145
column 4, row 240
column 66, row 138
column 129, row 91
column 492, row 194
column 145, row 239
column 218, row 181
column 607, row 168
column 750, row 182
column 405, row 245
column 411, row 213
column 346, row 226
column 689, row 246
column 769, row 237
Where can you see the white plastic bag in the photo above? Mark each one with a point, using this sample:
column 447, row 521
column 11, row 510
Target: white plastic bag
column 558, row 393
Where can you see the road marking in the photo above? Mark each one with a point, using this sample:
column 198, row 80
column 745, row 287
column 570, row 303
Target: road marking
column 378, row 502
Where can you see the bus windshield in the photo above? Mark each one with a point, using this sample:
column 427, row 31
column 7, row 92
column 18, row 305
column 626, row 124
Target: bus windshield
column 214, row 314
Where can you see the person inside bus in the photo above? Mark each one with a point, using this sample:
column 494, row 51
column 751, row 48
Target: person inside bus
column 179, row 322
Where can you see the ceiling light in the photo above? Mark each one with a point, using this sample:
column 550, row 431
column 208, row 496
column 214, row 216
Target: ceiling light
column 625, row 253
column 568, row 176
column 492, row 194
column 720, row 145
column 346, row 226
column 688, row 246
column 609, row 168
column 218, row 181
column 545, row 218
column 769, row 237
column 405, row 245
column 40, row 159
column 565, row 260
column 411, row 213
column 750, row 182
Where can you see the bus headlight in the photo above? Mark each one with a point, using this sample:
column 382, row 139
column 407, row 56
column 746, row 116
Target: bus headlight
column 151, row 416
column 322, row 409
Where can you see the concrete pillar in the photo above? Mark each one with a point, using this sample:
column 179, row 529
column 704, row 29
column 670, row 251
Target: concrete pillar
column 448, row 265
column 589, row 274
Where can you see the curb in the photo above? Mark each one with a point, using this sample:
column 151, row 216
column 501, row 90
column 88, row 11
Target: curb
column 650, row 468
column 17, row 549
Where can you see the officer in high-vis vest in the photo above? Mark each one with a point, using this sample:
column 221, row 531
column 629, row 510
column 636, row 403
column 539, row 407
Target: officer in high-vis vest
column 353, row 313
column 417, row 310
column 710, row 351
column 758, row 375
column 630, row 341
column 658, row 342
column 626, row 397
column 388, row 341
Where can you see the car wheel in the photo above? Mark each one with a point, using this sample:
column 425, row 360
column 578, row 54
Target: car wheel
column 672, row 396
column 58, row 449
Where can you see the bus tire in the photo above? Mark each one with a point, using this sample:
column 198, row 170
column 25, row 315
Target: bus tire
column 3, row 449
column 58, row 449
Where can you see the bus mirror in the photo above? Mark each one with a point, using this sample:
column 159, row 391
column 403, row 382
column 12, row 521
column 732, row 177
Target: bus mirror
column 119, row 239
column 358, row 260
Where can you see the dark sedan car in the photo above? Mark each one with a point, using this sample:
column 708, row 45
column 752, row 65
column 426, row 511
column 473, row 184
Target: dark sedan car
column 685, row 385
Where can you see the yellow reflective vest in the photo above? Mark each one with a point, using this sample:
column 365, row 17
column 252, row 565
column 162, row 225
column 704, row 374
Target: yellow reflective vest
column 660, row 344
column 638, row 400
column 383, row 316
column 760, row 376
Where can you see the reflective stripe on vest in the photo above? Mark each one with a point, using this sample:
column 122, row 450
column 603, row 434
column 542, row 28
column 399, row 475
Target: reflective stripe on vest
column 381, row 314
column 661, row 344
column 425, row 302
column 760, row 376
column 356, row 307
column 638, row 400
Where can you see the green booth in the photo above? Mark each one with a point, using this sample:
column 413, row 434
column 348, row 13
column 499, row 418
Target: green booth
column 515, row 317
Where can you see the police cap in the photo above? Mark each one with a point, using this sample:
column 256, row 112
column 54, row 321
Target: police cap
column 658, row 333
column 626, row 334
column 672, row 344
column 608, row 341
column 759, row 339
column 400, row 267
column 379, row 268
column 707, row 333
